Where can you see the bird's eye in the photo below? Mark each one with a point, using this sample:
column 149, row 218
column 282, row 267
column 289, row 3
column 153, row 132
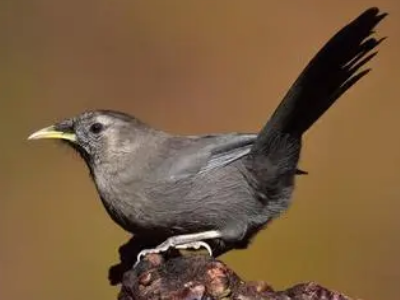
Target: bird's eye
column 96, row 128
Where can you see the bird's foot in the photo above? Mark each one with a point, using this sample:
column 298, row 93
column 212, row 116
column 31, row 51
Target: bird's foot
column 184, row 241
column 145, row 252
column 196, row 246
column 170, row 244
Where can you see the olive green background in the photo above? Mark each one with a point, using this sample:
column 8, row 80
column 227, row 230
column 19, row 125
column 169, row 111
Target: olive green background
column 193, row 67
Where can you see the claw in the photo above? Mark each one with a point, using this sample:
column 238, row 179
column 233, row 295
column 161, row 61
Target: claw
column 195, row 245
column 143, row 253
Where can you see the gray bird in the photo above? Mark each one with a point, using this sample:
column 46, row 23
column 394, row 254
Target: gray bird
column 218, row 190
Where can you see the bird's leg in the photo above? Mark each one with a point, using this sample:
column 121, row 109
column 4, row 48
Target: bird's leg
column 184, row 241
column 189, row 241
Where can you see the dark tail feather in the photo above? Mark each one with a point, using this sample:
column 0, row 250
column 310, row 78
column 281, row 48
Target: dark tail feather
column 301, row 172
column 327, row 76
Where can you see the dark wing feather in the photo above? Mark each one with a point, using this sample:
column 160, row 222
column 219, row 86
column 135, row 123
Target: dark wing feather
column 228, row 149
column 202, row 154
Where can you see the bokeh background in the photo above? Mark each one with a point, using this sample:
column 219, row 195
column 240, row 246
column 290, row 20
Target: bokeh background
column 193, row 67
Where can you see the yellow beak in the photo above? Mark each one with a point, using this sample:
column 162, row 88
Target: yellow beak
column 51, row 133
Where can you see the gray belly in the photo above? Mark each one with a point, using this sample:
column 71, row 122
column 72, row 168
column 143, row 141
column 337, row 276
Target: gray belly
column 212, row 201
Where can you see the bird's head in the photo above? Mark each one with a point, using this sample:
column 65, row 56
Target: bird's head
column 97, row 135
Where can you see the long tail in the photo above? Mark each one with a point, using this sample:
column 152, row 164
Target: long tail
column 332, row 71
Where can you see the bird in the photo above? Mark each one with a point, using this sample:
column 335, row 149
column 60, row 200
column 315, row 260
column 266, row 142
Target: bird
column 213, row 191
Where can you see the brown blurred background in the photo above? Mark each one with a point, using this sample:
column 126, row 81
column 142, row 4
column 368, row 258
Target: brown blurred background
column 193, row 67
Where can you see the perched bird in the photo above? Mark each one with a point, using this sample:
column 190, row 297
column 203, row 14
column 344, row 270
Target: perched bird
column 218, row 190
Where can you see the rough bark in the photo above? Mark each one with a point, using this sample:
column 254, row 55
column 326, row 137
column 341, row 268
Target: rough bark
column 200, row 277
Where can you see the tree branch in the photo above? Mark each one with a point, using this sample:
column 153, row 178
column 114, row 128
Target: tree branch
column 200, row 277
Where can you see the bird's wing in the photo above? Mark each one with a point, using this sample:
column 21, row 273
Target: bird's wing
column 205, row 153
column 229, row 149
